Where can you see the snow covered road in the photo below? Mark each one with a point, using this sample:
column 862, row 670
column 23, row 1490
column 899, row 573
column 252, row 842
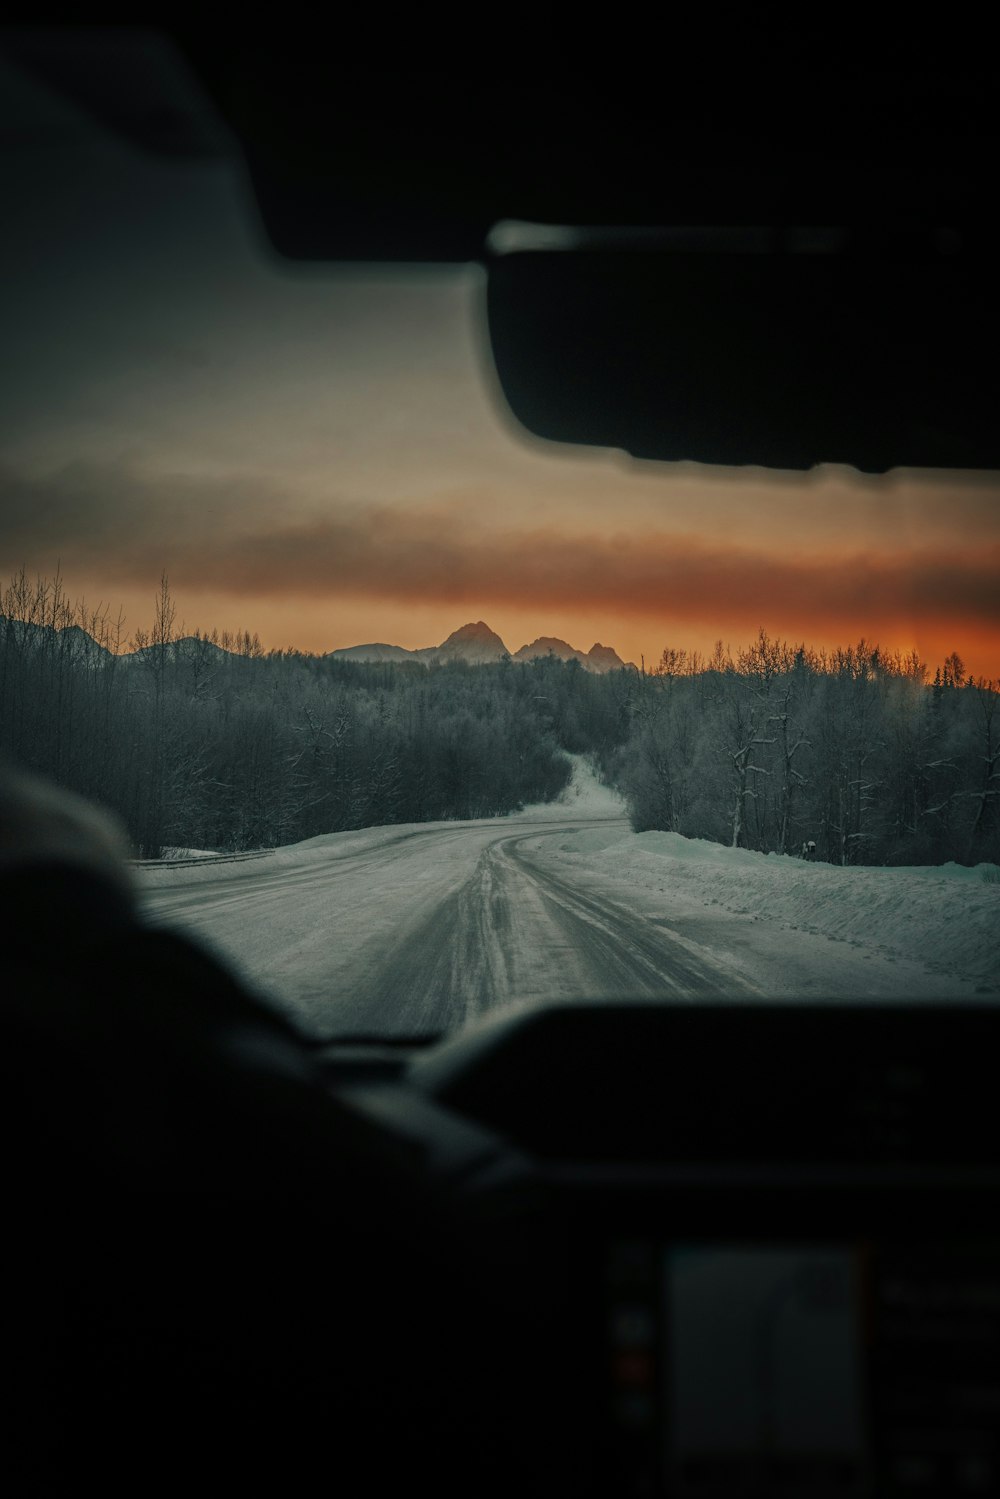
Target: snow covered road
column 410, row 930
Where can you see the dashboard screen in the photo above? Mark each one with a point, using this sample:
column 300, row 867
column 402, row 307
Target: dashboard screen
column 785, row 1368
column 763, row 1380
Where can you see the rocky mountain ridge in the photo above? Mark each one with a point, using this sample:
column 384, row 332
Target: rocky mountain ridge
column 481, row 646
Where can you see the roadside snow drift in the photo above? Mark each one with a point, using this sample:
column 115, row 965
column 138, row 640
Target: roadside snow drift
column 946, row 916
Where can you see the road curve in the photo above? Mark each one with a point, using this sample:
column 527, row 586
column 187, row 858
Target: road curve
column 415, row 930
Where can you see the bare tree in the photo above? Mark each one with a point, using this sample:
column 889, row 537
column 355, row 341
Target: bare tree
column 983, row 838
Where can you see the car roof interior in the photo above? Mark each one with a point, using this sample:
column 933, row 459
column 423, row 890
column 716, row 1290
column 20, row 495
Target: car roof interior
column 790, row 253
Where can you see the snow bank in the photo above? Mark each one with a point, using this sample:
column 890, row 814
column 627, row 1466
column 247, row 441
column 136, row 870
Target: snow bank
column 946, row 916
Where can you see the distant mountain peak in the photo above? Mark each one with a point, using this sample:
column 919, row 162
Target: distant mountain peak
column 548, row 645
column 478, row 631
column 599, row 658
column 375, row 651
column 473, row 642
column 604, row 658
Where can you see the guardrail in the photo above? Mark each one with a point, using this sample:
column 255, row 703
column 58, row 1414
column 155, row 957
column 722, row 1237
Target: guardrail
column 262, row 853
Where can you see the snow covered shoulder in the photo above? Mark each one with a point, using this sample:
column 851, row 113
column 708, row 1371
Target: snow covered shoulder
column 945, row 916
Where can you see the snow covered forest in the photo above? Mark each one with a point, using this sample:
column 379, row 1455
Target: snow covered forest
column 209, row 742
column 857, row 749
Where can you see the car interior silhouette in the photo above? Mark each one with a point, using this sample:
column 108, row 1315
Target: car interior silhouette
column 623, row 1248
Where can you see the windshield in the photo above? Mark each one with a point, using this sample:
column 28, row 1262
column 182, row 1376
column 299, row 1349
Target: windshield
column 410, row 715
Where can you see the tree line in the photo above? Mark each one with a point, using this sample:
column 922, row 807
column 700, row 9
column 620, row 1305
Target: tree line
column 208, row 741
column 854, row 749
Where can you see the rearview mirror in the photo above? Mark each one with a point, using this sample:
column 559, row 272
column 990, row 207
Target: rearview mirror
column 835, row 351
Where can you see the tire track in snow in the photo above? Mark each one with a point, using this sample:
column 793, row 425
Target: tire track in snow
column 639, row 958
column 410, row 935
column 514, row 932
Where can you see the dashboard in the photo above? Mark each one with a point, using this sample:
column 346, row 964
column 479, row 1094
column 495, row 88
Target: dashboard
column 719, row 1249
column 584, row 1249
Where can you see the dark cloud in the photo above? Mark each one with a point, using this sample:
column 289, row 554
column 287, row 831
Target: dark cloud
column 434, row 560
column 241, row 538
column 109, row 515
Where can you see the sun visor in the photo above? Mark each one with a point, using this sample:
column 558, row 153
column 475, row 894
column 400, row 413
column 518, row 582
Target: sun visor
column 785, row 348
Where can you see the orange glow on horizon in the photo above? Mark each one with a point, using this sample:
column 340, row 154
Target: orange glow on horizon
column 316, row 627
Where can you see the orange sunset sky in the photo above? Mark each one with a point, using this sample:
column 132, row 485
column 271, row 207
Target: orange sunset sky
column 323, row 455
